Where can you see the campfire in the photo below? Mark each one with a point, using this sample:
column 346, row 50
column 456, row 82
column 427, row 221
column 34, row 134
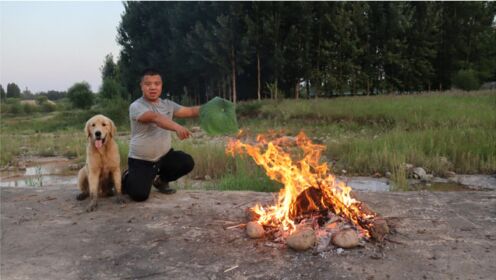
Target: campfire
column 313, row 206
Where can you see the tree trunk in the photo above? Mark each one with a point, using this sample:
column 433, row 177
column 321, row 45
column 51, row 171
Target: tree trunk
column 258, row 78
column 307, row 86
column 297, row 90
column 233, row 67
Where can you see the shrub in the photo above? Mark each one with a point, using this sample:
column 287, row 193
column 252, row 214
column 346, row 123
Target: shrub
column 80, row 95
column 28, row 108
column 466, row 79
column 47, row 107
column 116, row 109
column 112, row 89
column 248, row 109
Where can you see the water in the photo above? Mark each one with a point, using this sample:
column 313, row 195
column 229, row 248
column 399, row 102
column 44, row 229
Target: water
column 45, row 172
column 440, row 187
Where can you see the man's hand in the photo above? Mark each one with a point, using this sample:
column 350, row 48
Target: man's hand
column 182, row 132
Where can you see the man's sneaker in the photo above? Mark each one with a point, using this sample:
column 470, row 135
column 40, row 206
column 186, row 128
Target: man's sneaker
column 162, row 186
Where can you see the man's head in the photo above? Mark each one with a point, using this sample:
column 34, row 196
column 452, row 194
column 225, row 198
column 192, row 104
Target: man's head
column 151, row 84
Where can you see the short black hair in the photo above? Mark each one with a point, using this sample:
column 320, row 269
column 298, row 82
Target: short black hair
column 150, row 71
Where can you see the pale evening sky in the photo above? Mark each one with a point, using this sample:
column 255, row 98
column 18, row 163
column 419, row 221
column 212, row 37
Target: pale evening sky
column 52, row 45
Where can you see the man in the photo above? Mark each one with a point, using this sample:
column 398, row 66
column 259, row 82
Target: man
column 150, row 152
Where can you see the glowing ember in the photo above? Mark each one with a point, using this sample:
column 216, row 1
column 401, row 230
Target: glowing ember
column 309, row 187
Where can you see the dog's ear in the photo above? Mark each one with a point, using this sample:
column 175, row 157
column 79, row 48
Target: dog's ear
column 113, row 129
column 87, row 128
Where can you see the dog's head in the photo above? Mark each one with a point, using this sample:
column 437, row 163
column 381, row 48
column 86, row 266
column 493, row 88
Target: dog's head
column 99, row 130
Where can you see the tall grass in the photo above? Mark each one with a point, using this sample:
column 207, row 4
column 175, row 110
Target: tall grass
column 41, row 144
column 441, row 132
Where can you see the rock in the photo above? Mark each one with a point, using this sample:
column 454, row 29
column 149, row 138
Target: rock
column 388, row 174
column 323, row 241
column 347, row 238
column 195, row 129
column 21, row 165
column 301, row 239
column 419, row 173
column 75, row 166
column 449, row 174
column 379, row 230
column 255, row 230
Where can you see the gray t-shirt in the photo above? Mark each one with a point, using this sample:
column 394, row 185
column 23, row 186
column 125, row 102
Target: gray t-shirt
column 149, row 141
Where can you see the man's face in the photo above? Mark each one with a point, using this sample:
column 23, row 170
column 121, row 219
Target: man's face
column 151, row 86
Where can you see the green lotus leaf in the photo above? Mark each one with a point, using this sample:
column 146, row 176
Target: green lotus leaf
column 218, row 117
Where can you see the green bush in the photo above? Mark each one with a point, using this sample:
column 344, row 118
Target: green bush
column 47, row 107
column 80, row 95
column 29, row 108
column 248, row 109
column 15, row 107
column 466, row 80
column 116, row 109
column 112, row 89
column 41, row 99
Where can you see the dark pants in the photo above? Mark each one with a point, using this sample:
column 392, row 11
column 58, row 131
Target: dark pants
column 141, row 173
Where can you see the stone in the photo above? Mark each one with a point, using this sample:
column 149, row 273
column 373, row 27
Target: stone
column 347, row 238
column 255, row 230
column 379, row 229
column 301, row 239
column 322, row 242
column 449, row 174
column 419, row 173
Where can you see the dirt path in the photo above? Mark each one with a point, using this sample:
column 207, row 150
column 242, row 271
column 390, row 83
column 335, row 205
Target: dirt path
column 45, row 235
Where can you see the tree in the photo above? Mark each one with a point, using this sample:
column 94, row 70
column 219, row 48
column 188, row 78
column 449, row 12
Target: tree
column 13, row 91
column 112, row 89
column 80, row 95
column 109, row 69
column 27, row 94
column 2, row 93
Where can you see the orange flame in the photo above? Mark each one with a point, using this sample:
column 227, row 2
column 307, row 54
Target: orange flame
column 297, row 176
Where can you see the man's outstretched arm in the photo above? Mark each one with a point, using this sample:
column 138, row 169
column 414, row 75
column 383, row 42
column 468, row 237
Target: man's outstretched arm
column 187, row 112
column 165, row 123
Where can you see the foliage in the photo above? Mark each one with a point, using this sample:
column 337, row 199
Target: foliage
column 466, row 80
column 336, row 48
column 115, row 108
column 218, row 117
column 2, row 93
column 13, row 91
column 111, row 89
column 80, row 95
column 109, row 69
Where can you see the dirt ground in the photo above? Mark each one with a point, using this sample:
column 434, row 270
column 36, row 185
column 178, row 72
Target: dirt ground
column 45, row 234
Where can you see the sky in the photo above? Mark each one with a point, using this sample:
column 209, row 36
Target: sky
column 53, row 45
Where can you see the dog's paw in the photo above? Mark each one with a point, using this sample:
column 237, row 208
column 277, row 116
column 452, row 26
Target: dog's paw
column 92, row 206
column 82, row 196
column 120, row 199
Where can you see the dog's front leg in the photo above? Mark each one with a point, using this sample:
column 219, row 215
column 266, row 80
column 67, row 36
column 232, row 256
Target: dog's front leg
column 116, row 177
column 93, row 178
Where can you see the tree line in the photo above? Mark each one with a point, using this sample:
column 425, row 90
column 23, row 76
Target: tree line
column 250, row 50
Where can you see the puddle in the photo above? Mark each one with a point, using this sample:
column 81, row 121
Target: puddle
column 368, row 184
column 39, row 181
column 40, row 172
column 440, row 187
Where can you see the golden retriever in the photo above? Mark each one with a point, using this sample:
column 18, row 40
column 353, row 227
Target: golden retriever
column 102, row 169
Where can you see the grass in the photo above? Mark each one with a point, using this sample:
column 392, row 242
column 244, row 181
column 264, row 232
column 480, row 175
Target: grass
column 449, row 131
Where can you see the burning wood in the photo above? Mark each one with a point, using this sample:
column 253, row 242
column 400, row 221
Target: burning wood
column 311, row 193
